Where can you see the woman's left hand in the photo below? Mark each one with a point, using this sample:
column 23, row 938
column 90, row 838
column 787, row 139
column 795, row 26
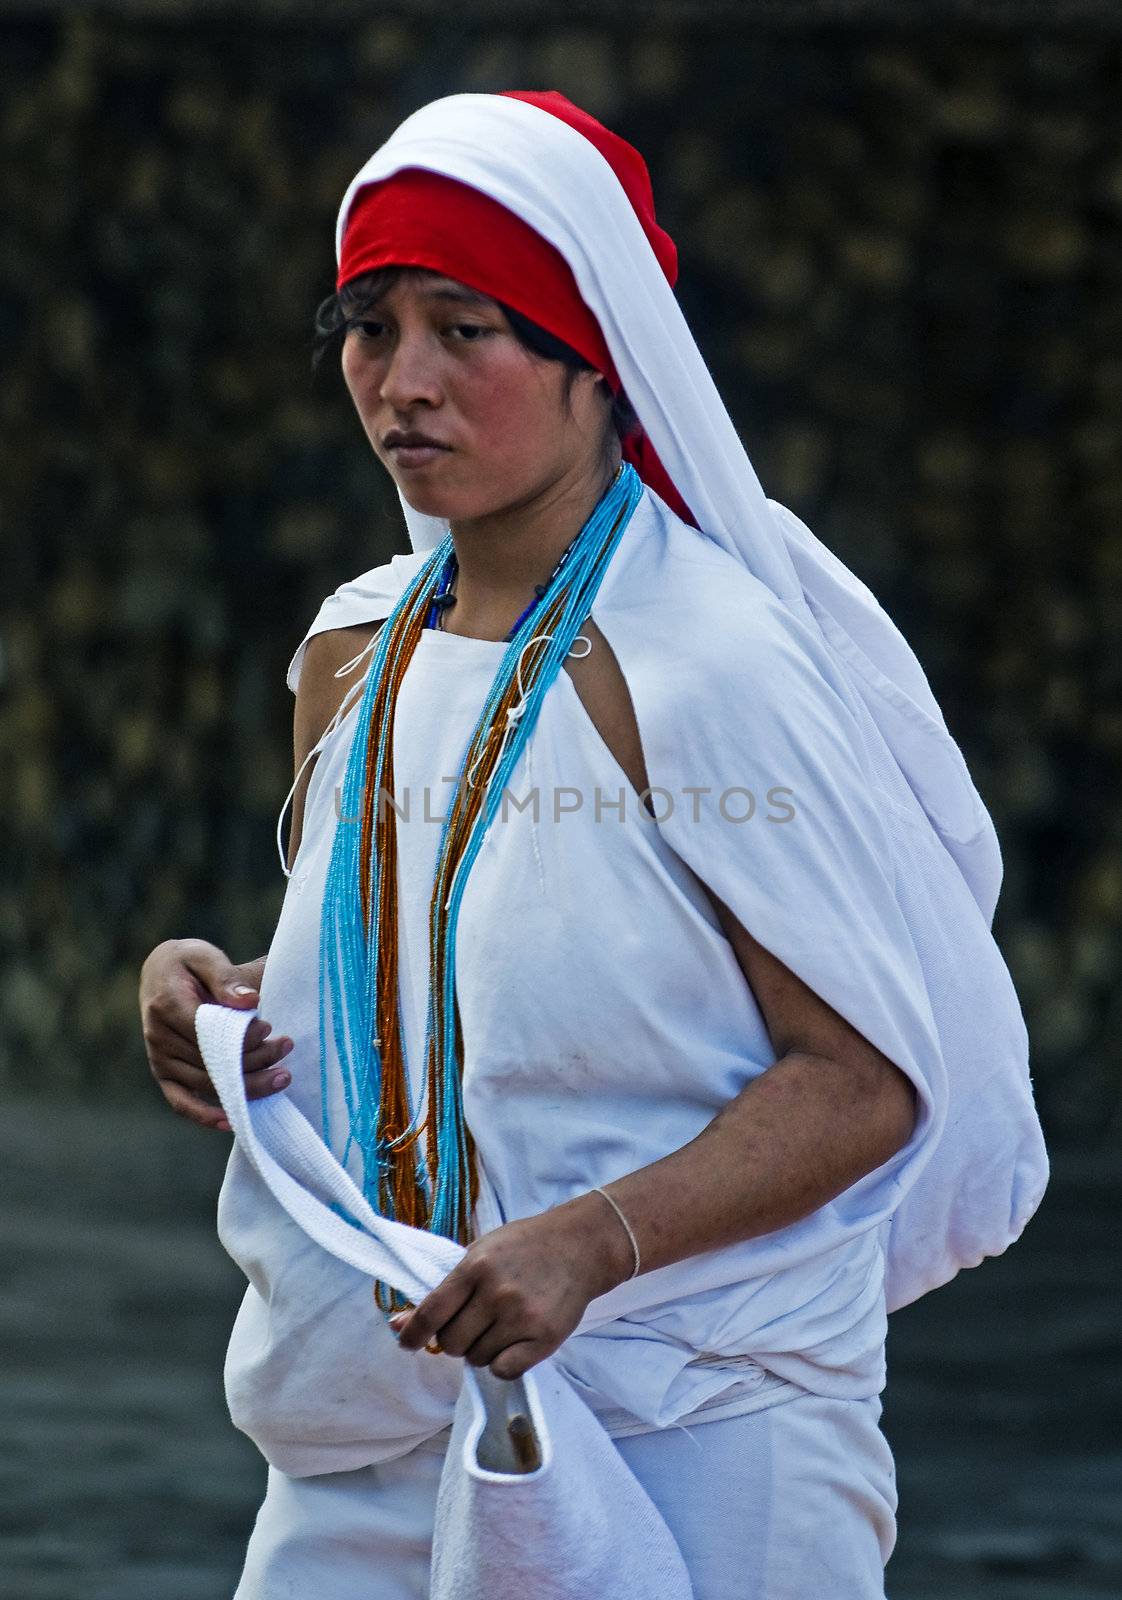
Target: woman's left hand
column 520, row 1291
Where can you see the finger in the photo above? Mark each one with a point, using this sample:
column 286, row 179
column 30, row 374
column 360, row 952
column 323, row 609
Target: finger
column 169, row 1063
column 161, row 1034
column 491, row 1343
column 265, row 1056
column 196, row 1080
column 164, row 1044
column 255, row 1035
column 467, row 1328
column 217, row 974
column 176, row 1069
column 170, row 1024
column 259, row 1085
column 434, row 1311
column 193, row 1108
column 517, row 1359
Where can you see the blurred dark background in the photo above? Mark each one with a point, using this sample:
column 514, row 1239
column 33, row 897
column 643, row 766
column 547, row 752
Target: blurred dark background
column 900, row 233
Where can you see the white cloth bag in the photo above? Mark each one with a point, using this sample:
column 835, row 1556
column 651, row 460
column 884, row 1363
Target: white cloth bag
column 578, row 1525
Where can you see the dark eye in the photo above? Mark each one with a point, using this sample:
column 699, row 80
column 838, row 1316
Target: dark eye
column 470, row 332
column 368, row 328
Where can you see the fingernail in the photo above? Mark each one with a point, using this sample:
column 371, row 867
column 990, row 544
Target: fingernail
column 223, row 1126
column 282, row 1080
column 241, row 988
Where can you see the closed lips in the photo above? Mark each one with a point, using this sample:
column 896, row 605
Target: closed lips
column 412, row 441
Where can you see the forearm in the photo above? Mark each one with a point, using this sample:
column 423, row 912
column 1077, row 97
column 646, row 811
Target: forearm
column 795, row 1137
column 791, row 1141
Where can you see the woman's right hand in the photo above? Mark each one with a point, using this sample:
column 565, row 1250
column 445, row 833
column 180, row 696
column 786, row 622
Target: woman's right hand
column 179, row 976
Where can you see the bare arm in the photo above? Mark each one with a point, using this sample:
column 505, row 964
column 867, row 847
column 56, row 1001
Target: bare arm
column 318, row 697
column 180, row 974
column 831, row 1109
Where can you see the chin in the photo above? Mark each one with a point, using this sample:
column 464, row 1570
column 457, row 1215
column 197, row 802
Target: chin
column 430, row 503
column 425, row 498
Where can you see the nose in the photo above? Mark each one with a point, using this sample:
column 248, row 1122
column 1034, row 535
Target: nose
column 410, row 378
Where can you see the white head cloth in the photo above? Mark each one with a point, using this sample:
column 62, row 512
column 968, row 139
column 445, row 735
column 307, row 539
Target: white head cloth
column 557, row 182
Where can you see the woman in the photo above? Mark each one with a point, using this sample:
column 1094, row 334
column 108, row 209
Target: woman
column 669, row 1012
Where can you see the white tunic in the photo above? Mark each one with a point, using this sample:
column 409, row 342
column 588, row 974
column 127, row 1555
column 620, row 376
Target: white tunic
column 604, row 1015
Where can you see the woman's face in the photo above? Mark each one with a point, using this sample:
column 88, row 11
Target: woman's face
column 437, row 360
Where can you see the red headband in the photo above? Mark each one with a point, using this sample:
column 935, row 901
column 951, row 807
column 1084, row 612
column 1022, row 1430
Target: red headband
column 419, row 218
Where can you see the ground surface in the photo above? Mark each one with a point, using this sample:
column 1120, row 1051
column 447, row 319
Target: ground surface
column 121, row 1478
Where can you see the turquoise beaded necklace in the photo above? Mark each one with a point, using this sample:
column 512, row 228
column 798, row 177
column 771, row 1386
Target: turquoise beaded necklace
column 418, row 1161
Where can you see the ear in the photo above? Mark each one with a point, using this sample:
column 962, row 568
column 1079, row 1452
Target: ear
column 602, row 389
column 593, row 385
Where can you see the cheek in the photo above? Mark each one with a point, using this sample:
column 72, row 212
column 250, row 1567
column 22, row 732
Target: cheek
column 499, row 419
column 352, row 370
column 350, row 378
column 512, row 408
column 360, row 377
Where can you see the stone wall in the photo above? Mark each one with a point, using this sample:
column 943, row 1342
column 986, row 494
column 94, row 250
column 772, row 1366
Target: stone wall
column 901, row 256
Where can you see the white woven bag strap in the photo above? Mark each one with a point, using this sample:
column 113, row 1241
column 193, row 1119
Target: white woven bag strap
column 291, row 1158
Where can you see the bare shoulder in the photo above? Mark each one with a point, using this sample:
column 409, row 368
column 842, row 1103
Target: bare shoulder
column 318, row 697
column 602, row 687
column 320, row 691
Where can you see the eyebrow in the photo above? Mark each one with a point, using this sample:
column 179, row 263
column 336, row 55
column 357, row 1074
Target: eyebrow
column 459, row 293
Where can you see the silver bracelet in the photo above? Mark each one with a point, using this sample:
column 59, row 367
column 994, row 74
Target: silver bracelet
column 630, row 1232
